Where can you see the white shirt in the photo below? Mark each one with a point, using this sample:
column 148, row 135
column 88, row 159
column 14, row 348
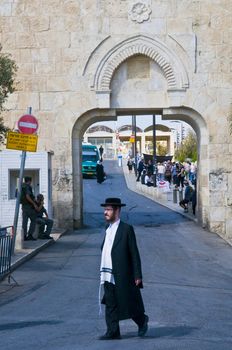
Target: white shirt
column 161, row 169
column 106, row 261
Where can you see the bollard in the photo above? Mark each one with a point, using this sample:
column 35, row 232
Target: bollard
column 180, row 195
column 120, row 160
column 174, row 195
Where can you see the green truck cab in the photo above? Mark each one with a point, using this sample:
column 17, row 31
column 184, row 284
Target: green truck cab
column 90, row 157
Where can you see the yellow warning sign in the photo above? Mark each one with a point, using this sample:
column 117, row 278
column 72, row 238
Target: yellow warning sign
column 21, row 142
column 132, row 138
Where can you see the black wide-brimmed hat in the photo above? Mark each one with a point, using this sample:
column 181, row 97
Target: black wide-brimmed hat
column 114, row 202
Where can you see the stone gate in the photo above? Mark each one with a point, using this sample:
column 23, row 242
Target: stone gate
column 84, row 61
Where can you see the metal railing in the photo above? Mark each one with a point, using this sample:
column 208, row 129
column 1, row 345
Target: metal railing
column 6, row 239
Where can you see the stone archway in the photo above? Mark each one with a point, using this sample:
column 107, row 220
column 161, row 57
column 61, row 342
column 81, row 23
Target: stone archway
column 101, row 74
column 190, row 116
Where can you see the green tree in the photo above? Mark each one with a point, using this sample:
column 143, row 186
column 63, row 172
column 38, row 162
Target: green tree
column 161, row 149
column 7, row 74
column 188, row 148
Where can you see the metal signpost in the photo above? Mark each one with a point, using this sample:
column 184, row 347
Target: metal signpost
column 25, row 141
column 154, row 149
column 133, row 139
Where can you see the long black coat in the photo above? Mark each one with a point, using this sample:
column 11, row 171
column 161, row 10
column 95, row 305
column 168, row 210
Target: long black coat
column 100, row 173
column 126, row 265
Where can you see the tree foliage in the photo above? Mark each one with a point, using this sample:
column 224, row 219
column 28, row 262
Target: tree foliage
column 7, row 74
column 161, row 149
column 188, row 148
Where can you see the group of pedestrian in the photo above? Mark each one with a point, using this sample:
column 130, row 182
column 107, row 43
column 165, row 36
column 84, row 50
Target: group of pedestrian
column 33, row 209
column 145, row 171
column 176, row 172
column 181, row 176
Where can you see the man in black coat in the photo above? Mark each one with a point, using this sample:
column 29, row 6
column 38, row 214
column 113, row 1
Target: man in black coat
column 100, row 172
column 141, row 166
column 121, row 273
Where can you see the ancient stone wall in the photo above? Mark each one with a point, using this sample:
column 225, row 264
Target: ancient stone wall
column 76, row 57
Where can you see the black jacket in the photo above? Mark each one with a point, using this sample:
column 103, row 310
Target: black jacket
column 126, row 268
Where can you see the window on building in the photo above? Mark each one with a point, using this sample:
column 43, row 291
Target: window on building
column 14, row 181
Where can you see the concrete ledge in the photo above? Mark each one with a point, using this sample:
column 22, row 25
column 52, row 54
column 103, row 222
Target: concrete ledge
column 153, row 192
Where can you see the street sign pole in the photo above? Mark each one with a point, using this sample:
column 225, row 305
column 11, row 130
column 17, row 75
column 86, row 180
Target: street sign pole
column 135, row 143
column 154, row 150
column 19, row 241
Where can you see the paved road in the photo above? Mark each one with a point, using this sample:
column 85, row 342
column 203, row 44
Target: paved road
column 139, row 211
column 187, row 280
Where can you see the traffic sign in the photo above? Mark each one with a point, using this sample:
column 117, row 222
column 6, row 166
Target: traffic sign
column 21, row 142
column 28, row 124
column 132, row 138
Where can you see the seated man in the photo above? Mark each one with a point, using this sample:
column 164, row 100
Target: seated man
column 43, row 220
column 187, row 196
column 149, row 180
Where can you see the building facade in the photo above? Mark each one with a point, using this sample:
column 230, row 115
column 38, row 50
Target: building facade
column 80, row 62
column 118, row 141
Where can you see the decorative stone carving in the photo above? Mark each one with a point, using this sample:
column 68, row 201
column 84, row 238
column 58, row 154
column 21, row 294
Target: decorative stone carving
column 174, row 71
column 140, row 12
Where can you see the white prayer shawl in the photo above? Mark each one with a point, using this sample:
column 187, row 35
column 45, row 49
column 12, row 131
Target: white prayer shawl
column 106, row 261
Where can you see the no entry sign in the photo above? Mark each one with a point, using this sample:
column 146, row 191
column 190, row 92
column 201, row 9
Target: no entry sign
column 28, row 124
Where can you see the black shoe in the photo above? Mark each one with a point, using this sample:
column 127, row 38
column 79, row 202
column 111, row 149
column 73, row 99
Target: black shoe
column 30, row 238
column 143, row 329
column 110, row 336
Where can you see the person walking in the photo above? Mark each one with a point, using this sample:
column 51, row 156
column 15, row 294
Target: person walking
column 141, row 166
column 161, row 170
column 181, row 177
column 121, row 273
column 29, row 208
column 130, row 165
column 101, row 150
column 100, row 172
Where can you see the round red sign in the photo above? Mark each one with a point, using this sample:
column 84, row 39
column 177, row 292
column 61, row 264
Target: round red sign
column 28, row 124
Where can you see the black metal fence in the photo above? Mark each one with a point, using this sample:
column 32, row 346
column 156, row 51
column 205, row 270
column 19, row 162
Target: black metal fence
column 6, row 239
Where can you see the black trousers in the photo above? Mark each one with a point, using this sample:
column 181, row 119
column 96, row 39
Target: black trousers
column 28, row 213
column 111, row 311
